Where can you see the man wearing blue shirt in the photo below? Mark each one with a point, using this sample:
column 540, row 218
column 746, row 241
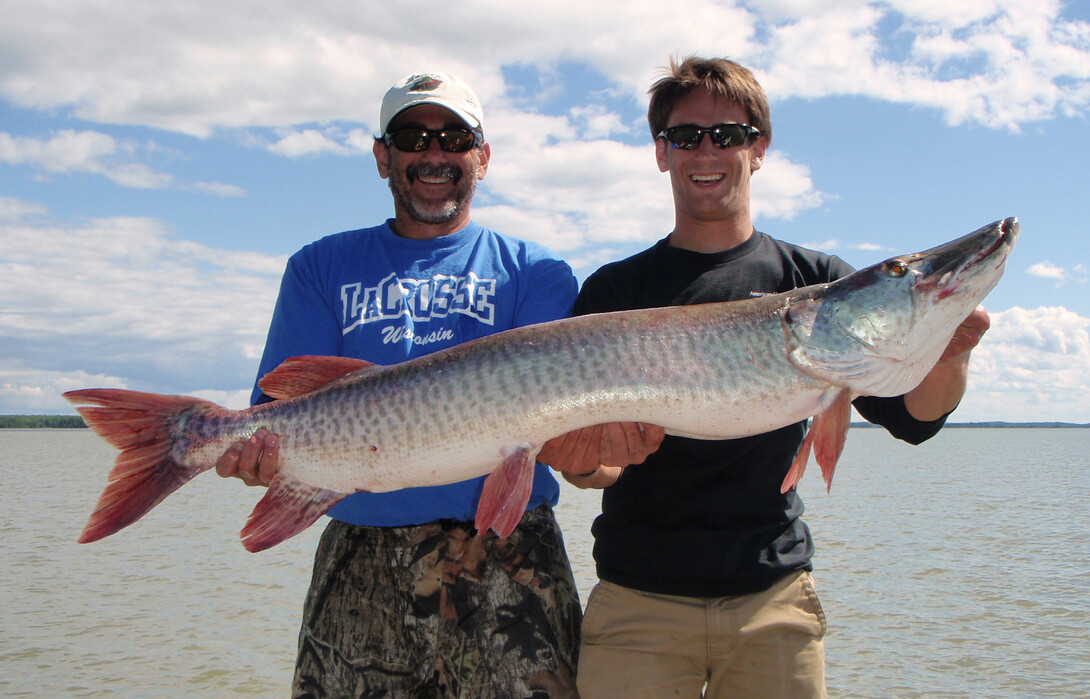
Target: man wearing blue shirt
column 407, row 597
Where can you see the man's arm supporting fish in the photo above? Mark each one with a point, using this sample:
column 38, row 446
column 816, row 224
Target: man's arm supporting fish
column 944, row 386
column 494, row 403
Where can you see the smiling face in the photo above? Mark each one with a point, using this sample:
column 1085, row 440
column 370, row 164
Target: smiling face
column 432, row 188
column 711, row 185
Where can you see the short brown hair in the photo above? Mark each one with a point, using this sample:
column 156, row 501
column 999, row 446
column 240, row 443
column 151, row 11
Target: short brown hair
column 716, row 75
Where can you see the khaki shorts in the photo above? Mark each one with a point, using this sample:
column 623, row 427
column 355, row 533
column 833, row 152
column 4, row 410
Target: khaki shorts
column 439, row 611
column 767, row 644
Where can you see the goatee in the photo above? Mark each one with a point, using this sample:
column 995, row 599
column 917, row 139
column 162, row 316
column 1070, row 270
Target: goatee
column 439, row 212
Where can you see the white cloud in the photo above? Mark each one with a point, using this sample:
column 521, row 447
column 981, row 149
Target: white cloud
column 547, row 184
column 595, row 121
column 235, row 400
column 1047, row 270
column 70, row 152
column 1032, row 365
column 782, row 189
column 1078, row 273
column 297, row 74
column 835, row 244
column 1002, row 63
column 219, row 189
column 27, row 391
column 138, row 176
column 65, row 152
column 305, row 142
column 955, row 14
column 122, row 297
column 16, row 209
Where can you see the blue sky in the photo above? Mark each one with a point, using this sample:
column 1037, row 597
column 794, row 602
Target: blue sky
column 158, row 164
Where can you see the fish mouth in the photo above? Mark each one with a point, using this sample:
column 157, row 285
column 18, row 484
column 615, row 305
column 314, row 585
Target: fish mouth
column 1008, row 231
column 947, row 268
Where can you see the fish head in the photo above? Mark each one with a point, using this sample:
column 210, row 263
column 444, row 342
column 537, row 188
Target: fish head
column 880, row 330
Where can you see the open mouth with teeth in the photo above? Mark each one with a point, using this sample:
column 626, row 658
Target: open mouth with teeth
column 706, row 179
column 434, row 175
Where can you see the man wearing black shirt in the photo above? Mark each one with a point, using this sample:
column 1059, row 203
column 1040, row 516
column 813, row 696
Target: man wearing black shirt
column 704, row 564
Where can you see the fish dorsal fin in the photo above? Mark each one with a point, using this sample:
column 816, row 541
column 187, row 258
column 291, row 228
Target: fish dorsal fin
column 299, row 375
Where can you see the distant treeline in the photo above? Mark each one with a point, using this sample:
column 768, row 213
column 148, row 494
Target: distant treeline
column 25, row 421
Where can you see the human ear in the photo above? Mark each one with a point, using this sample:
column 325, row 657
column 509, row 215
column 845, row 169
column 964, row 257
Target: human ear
column 757, row 154
column 381, row 152
column 484, row 153
column 661, row 155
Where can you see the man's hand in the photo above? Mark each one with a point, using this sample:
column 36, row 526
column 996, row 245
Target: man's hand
column 594, row 456
column 944, row 386
column 575, row 452
column 967, row 335
column 627, row 443
column 254, row 461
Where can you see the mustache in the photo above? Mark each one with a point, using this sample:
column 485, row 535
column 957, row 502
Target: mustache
column 423, row 170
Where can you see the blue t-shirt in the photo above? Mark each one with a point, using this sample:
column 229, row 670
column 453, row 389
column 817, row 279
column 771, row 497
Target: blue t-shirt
column 372, row 295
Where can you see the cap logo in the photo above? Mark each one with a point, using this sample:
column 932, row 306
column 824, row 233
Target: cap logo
column 425, row 85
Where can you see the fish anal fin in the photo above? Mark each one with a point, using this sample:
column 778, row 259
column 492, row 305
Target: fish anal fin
column 297, row 376
column 289, row 507
column 506, row 493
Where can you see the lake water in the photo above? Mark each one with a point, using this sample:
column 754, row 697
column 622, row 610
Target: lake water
column 960, row 568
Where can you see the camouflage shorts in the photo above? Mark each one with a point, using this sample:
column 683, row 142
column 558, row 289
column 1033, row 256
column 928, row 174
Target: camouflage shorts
column 439, row 611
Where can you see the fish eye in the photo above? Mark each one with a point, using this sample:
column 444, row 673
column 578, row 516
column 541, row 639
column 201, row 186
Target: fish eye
column 896, row 268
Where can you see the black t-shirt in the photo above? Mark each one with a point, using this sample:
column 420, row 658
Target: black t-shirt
column 705, row 518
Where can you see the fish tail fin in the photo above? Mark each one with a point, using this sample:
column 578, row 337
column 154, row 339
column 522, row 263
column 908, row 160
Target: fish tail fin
column 288, row 507
column 506, row 493
column 146, row 471
column 827, row 434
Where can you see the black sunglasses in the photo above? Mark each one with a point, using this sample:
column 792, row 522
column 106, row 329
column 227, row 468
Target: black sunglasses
column 413, row 139
column 689, row 136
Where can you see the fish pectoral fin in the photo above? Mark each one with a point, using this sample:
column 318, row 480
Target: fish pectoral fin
column 827, row 434
column 798, row 466
column 506, row 492
column 830, row 430
column 289, row 507
column 300, row 375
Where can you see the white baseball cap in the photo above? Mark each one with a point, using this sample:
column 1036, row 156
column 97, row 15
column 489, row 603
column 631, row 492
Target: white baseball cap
column 431, row 88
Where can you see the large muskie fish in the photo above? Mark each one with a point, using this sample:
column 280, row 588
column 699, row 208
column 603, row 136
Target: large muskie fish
column 719, row 370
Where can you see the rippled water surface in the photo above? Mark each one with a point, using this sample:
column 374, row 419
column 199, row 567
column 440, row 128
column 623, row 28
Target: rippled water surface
column 959, row 568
